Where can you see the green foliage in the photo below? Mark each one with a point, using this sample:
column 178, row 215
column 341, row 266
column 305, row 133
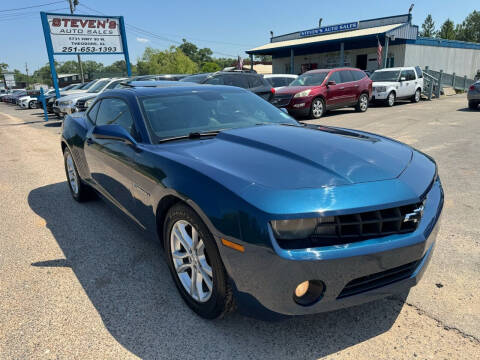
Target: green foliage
column 469, row 30
column 3, row 67
column 264, row 58
column 199, row 56
column 171, row 61
column 447, row 31
column 210, row 67
column 428, row 27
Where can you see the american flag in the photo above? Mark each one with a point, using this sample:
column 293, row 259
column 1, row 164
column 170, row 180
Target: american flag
column 379, row 53
column 240, row 63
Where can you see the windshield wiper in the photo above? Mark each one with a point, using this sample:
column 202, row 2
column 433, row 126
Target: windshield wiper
column 192, row 135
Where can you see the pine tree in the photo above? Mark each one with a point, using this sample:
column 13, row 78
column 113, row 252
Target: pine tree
column 428, row 27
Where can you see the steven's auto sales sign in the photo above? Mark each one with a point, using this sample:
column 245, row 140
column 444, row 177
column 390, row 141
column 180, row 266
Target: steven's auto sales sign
column 84, row 35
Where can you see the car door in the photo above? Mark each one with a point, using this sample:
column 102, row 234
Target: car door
column 112, row 162
column 335, row 93
column 406, row 87
column 350, row 87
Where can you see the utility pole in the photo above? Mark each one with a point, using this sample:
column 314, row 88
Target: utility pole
column 26, row 70
column 73, row 4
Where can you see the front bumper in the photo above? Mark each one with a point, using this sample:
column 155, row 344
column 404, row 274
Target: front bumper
column 266, row 281
column 67, row 109
column 379, row 95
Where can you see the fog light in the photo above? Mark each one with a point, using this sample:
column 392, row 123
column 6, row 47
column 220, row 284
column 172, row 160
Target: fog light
column 309, row 292
column 299, row 105
column 302, row 289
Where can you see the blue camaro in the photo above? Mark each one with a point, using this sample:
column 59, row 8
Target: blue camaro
column 255, row 210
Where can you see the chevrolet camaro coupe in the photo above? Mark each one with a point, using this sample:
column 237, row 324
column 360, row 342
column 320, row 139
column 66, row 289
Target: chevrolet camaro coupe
column 254, row 210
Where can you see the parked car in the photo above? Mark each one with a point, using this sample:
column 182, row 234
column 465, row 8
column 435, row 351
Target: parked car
column 392, row 84
column 246, row 80
column 13, row 98
column 317, row 91
column 27, row 102
column 76, row 102
column 278, row 81
column 196, row 78
column 473, row 96
column 252, row 208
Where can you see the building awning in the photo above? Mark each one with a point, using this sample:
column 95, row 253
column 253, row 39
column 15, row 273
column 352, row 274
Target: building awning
column 315, row 40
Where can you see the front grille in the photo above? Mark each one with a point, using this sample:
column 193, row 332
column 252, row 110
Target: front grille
column 281, row 100
column 345, row 229
column 81, row 105
column 377, row 280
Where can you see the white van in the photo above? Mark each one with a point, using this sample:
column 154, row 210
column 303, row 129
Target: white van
column 397, row 83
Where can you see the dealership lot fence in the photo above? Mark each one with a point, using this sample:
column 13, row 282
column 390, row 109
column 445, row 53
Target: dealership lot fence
column 435, row 80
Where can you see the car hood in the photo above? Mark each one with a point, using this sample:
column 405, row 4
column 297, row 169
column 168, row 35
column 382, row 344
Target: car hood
column 293, row 157
column 76, row 96
column 293, row 89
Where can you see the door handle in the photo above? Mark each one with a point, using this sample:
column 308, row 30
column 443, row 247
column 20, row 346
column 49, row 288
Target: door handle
column 356, row 85
column 342, row 88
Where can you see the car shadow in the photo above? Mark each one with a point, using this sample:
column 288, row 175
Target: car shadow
column 469, row 110
column 127, row 281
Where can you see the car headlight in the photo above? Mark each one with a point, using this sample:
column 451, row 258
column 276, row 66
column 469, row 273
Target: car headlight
column 381, row 88
column 302, row 93
column 89, row 102
column 300, row 228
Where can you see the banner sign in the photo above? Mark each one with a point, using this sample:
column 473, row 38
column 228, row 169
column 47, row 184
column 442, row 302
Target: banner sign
column 330, row 29
column 9, row 80
column 84, row 34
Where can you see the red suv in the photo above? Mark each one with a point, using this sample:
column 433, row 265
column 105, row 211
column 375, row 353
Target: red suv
column 316, row 91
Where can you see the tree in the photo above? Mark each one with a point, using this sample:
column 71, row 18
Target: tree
column 3, row 67
column 68, row 67
column 171, row 61
column 210, row 67
column 428, row 27
column 199, row 56
column 447, row 31
column 469, row 30
column 264, row 58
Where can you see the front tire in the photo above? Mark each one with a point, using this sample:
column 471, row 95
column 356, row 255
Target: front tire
column 317, row 109
column 195, row 263
column 391, row 99
column 32, row 104
column 416, row 97
column 80, row 192
column 362, row 104
column 473, row 105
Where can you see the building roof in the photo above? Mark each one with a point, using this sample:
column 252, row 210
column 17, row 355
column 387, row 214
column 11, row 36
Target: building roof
column 323, row 38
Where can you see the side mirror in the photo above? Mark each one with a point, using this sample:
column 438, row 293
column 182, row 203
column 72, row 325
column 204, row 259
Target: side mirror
column 331, row 83
column 403, row 78
column 113, row 132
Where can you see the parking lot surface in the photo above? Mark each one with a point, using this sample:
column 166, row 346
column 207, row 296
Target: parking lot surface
column 78, row 281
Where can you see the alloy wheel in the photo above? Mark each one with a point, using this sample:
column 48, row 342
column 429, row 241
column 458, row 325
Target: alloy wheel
column 391, row 99
column 317, row 108
column 72, row 174
column 190, row 261
column 363, row 103
column 417, row 96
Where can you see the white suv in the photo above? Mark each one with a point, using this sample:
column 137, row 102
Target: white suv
column 397, row 83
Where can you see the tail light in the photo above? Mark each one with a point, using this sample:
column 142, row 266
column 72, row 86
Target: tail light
column 472, row 87
column 272, row 90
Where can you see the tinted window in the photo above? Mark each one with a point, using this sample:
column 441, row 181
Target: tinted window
column 215, row 80
column 385, row 75
column 310, row 79
column 236, row 80
column 195, row 78
column 92, row 114
column 335, row 76
column 411, row 75
column 116, row 111
column 419, row 72
column 357, row 75
column 279, row 81
column 346, row 76
column 98, row 86
column 208, row 110
column 256, row 81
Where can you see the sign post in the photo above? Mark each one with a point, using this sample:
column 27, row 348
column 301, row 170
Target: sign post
column 68, row 34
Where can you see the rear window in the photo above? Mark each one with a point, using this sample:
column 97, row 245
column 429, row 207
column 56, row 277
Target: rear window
column 418, row 69
column 256, row 81
column 279, row 81
column 229, row 79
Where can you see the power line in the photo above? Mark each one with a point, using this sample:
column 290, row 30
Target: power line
column 27, row 13
column 31, row 7
column 163, row 38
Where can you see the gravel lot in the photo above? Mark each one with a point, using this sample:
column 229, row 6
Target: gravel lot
column 79, row 281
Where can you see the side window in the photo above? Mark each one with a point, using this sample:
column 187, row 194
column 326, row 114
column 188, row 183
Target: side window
column 346, row 76
column 357, row 75
column 215, row 80
column 411, row 75
column 116, row 112
column 404, row 74
column 113, row 85
column 335, row 77
column 256, row 81
column 92, row 113
column 236, row 80
column 418, row 69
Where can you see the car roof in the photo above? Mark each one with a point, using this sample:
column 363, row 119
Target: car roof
column 157, row 83
column 178, row 88
column 397, row 68
column 279, row 75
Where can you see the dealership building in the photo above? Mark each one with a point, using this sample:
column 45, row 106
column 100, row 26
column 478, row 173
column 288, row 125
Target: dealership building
column 356, row 43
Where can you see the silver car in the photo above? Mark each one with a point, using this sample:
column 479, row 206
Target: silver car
column 473, row 96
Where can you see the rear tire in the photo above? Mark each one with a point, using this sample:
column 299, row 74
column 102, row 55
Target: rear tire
column 32, row 104
column 390, row 99
column 362, row 103
column 196, row 257
column 472, row 105
column 317, row 108
column 416, row 97
column 80, row 192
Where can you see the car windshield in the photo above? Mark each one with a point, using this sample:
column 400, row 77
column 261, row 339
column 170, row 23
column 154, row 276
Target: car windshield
column 98, row 86
column 208, row 110
column 385, row 75
column 311, row 79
